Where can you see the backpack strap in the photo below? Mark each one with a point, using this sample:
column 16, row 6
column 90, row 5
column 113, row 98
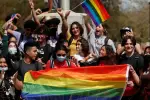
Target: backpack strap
column 106, row 41
column 68, row 62
column 51, row 62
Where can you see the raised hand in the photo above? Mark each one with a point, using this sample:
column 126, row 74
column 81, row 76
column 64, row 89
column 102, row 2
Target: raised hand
column 17, row 16
column 14, row 77
column 31, row 4
column 60, row 12
column 74, row 60
column 38, row 11
column 130, row 83
column 131, row 70
column 67, row 14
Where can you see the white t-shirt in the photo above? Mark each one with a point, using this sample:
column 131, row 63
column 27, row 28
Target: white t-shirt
column 97, row 42
column 78, row 57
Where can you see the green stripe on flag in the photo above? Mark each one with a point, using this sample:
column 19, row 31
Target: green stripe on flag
column 41, row 89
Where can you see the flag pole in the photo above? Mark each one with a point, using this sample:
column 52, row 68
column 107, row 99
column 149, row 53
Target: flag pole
column 77, row 6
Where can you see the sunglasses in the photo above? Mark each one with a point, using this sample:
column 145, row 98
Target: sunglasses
column 61, row 55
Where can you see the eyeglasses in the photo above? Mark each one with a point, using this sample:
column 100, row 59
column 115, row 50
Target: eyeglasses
column 61, row 55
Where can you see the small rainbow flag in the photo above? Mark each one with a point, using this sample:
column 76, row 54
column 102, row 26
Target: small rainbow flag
column 86, row 83
column 96, row 10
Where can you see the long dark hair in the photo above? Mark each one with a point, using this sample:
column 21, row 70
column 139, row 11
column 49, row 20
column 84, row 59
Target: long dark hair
column 17, row 56
column 84, row 45
column 110, row 58
column 80, row 27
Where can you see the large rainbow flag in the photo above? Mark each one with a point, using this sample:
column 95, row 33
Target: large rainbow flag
column 96, row 10
column 86, row 83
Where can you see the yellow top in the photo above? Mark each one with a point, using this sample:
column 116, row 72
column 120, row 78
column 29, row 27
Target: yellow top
column 72, row 46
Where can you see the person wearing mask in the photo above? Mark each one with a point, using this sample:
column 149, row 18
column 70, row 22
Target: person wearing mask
column 126, row 31
column 7, row 90
column 12, row 57
column 26, row 64
column 29, row 27
column 52, row 24
column 60, row 59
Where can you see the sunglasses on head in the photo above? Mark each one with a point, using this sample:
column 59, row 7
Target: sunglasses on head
column 61, row 55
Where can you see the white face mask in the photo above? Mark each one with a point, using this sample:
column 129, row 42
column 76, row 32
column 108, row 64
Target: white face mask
column 12, row 50
column 3, row 69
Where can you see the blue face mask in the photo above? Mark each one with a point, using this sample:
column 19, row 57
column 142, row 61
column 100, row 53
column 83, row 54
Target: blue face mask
column 3, row 69
column 60, row 58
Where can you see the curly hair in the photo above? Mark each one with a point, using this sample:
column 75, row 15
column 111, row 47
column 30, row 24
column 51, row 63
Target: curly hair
column 125, row 39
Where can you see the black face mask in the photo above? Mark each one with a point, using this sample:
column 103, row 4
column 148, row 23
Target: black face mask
column 52, row 31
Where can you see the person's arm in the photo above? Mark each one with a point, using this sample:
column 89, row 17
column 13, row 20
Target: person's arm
column 138, row 48
column 14, row 33
column 134, row 76
column 64, row 21
column 17, row 83
column 87, row 24
column 9, row 23
column 120, row 49
column 50, row 3
column 29, row 17
column 33, row 12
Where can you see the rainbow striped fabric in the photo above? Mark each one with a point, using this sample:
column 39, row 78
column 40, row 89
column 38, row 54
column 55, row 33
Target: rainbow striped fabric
column 96, row 10
column 86, row 83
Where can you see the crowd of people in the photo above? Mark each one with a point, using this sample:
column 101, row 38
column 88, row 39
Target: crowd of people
column 39, row 46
